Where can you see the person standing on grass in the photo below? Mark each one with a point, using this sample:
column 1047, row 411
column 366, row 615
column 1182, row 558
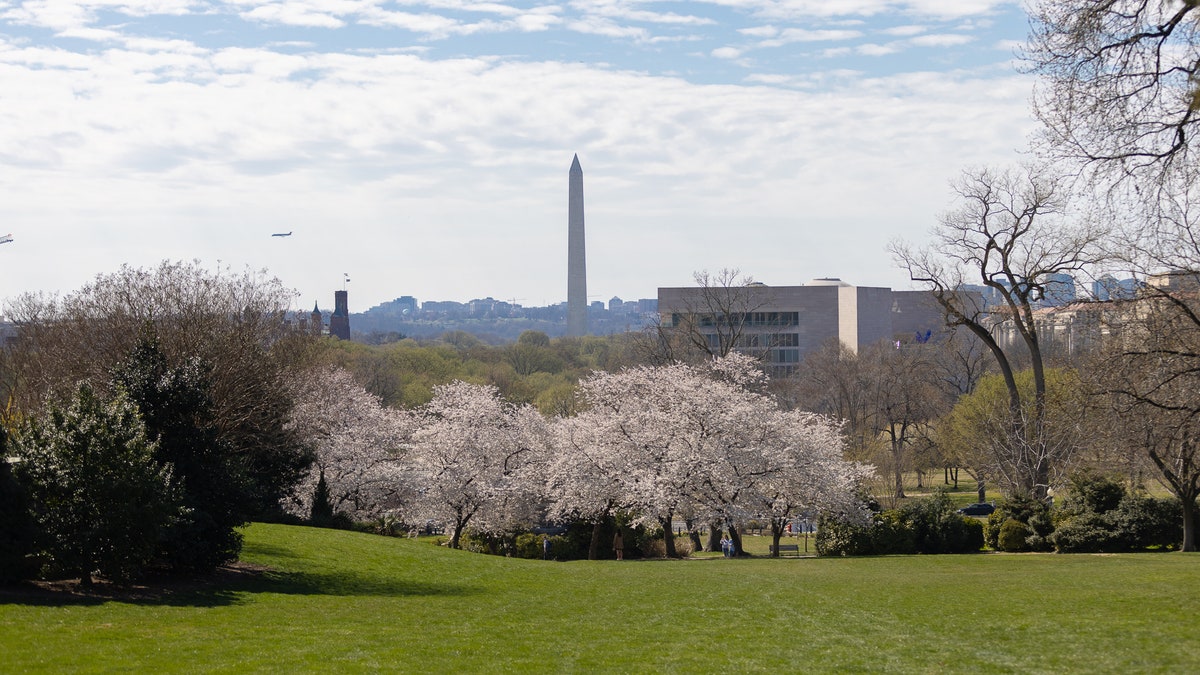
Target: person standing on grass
column 619, row 544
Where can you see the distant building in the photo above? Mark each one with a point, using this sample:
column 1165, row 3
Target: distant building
column 339, row 321
column 317, row 322
column 1060, row 290
column 1175, row 280
column 785, row 323
column 1109, row 287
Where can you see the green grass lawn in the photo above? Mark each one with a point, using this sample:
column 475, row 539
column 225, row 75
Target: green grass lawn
column 336, row 601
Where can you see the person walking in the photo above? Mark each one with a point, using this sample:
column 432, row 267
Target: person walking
column 619, row 544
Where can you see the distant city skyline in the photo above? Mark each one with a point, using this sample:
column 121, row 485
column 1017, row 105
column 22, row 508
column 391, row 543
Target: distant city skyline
column 419, row 146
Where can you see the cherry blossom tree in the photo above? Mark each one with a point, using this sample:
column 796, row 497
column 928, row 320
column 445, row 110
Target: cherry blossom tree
column 356, row 442
column 477, row 459
column 668, row 439
column 583, row 477
column 808, row 472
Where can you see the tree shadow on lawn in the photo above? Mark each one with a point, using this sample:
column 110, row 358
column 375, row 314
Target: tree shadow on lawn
column 232, row 584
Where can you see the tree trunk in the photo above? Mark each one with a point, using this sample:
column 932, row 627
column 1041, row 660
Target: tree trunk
column 714, row 537
column 899, row 477
column 1189, row 525
column 460, row 524
column 668, row 537
column 694, row 535
column 594, row 546
column 777, row 525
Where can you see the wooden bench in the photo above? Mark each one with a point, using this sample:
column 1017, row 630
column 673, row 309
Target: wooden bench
column 793, row 549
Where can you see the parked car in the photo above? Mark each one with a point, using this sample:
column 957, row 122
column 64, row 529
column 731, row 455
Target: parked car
column 980, row 509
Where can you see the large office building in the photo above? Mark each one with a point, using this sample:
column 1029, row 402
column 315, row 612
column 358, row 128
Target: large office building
column 785, row 323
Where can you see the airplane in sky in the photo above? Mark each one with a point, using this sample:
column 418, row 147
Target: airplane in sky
column 5, row 238
column 282, row 234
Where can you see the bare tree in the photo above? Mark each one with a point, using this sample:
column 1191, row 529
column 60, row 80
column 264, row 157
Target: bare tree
column 1153, row 361
column 1119, row 92
column 904, row 401
column 708, row 321
column 235, row 325
column 1010, row 236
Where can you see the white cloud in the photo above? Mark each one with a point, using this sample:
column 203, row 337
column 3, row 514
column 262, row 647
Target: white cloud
column 726, row 53
column 759, row 31
column 293, row 14
column 942, row 40
column 877, row 49
column 905, row 31
column 797, row 9
column 445, row 179
column 792, row 35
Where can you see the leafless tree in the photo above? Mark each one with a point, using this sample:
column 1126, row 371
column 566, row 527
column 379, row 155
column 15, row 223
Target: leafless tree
column 1119, row 92
column 709, row 321
column 235, row 324
column 1009, row 235
column 1152, row 373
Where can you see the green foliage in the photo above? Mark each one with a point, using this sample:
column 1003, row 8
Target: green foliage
column 1149, row 522
column 1088, row 532
column 529, row 545
column 928, row 525
column 18, row 533
column 1098, row 494
column 1033, row 514
column 1099, row 515
column 177, row 409
column 535, row 369
column 838, row 537
column 1013, row 535
column 321, row 513
column 101, row 499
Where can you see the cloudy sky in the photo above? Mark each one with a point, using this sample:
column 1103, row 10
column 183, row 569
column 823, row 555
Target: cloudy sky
column 422, row 146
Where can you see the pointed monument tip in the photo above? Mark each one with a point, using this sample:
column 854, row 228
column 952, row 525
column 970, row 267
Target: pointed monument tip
column 575, row 163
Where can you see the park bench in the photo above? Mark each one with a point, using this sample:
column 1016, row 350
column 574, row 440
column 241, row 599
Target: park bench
column 792, row 549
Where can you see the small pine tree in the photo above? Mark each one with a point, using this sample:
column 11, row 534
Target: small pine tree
column 99, row 496
column 177, row 409
column 322, row 507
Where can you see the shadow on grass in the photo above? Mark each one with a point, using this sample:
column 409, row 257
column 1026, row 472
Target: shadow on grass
column 231, row 585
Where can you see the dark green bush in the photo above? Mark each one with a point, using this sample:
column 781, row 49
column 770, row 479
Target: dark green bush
column 1013, row 535
column 529, row 545
column 1147, row 522
column 838, row 537
column 920, row 526
column 100, row 498
column 1033, row 514
column 18, row 532
column 1087, row 533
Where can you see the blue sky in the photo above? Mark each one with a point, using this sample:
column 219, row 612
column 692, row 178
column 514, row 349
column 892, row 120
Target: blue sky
column 422, row 147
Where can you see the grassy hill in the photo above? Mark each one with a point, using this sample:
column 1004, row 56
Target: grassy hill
column 332, row 601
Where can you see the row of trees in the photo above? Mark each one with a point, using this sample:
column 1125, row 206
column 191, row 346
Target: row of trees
column 657, row 443
column 1114, row 189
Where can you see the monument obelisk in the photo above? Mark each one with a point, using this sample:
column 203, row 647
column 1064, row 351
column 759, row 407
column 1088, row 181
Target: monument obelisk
column 577, row 320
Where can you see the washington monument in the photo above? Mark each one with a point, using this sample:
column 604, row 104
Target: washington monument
column 577, row 320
